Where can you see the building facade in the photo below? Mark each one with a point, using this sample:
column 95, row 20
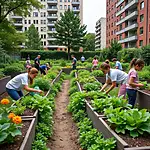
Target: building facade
column 45, row 19
column 131, row 20
column 100, row 36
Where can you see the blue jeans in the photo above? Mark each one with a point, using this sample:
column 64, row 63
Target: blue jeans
column 131, row 96
column 14, row 94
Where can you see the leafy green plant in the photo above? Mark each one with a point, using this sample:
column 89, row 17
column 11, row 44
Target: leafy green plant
column 92, row 86
column 80, row 115
column 42, row 83
column 73, row 90
column 136, row 122
column 39, row 144
column 97, row 73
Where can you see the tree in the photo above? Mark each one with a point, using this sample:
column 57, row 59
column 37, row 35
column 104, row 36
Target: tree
column 90, row 42
column 114, row 48
column 33, row 40
column 146, row 54
column 10, row 38
column 19, row 7
column 70, row 32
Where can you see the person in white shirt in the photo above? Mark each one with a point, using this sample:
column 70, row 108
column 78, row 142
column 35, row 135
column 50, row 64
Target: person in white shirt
column 14, row 86
column 114, row 76
column 82, row 59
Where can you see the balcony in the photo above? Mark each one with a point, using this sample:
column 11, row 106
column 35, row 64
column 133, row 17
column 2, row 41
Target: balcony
column 52, row 16
column 16, row 17
column 51, row 39
column 128, row 17
column 76, row 2
column 51, row 24
column 52, row 1
column 119, row 3
column 18, row 23
column 52, row 9
column 131, row 27
column 75, row 9
column 51, row 31
column 128, row 39
column 129, row 5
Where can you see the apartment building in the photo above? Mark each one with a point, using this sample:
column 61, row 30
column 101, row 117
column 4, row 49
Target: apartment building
column 45, row 19
column 128, row 21
column 100, row 36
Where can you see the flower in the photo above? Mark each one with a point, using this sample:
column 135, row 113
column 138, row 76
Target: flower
column 11, row 115
column 5, row 101
column 17, row 119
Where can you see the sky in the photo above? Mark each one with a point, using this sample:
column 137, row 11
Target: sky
column 93, row 10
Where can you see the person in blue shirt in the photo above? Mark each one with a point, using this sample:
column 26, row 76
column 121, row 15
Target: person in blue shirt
column 82, row 59
column 44, row 69
column 117, row 64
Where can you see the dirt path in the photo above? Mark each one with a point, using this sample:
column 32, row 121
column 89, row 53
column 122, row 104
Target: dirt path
column 65, row 135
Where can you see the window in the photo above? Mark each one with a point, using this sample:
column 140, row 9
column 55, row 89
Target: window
column 25, row 21
column 25, row 28
column 121, row 27
column 120, row 37
column 29, row 21
column 61, row 7
column 35, row 14
column 43, row 21
column 141, row 30
column 43, row 14
column 44, row 43
column 60, row 0
column 43, row 29
column 141, row 43
column 68, row 0
column 65, row 7
column 141, row 18
column 141, row 5
column 37, row 28
column 65, row 0
column 68, row 6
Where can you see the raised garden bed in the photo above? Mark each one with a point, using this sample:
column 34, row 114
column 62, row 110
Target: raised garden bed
column 101, row 79
column 143, row 99
column 3, row 82
column 23, row 142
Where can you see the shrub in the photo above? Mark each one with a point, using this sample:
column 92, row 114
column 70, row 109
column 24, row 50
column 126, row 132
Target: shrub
column 11, row 69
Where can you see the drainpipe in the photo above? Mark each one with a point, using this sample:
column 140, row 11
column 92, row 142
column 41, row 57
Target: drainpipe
column 147, row 3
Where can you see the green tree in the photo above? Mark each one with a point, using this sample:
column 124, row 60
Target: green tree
column 33, row 40
column 114, row 48
column 19, row 7
column 146, row 54
column 70, row 32
column 10, row 38
column 90, row 42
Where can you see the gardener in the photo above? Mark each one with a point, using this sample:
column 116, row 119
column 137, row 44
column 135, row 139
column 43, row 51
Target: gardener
column 37, row 62
column 114, row 76
column 44, row 69
column 132, row 82
column 117, row 64
column 14, row 86
column 95, row 63
column 74, row 62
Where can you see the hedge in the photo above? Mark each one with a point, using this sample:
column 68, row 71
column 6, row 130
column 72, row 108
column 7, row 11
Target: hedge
column 56, row 54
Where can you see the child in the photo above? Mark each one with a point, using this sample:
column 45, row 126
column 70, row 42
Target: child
column 95, row 63
column 114, row 76
column 132, row 82
column 14, row 86
column 117, row 64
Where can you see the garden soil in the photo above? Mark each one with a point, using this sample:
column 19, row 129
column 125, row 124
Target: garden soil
column 65, row 136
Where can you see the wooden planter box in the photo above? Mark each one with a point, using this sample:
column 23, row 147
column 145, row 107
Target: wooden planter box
column 101, row 79
column 29, row 137
column 67, row 70
column 3, row 83
column 143, row 99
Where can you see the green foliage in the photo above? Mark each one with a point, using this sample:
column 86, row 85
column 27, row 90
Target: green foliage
column 126, row 55
column 100, row 104
column 73, row 90
column 95, row 86
column 144, row 74
column 33, row 39
column 136, row 122
column 11, row 69
column 72, row 73
column 10, row 38
column 146, row 54
column 39, row 144
column 114, row 48
column 19, row 7
column 69, row 31
column 90, row 42
column 97, row 73
column 80, row 115
column 42, row 83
